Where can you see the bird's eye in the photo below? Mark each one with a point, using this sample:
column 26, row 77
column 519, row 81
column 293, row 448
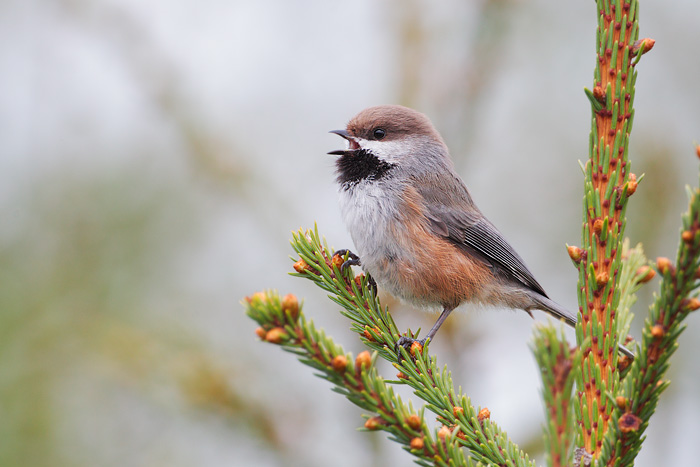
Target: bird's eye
column 379, row 134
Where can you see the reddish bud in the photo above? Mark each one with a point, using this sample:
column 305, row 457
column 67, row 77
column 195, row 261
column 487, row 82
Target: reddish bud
column 629, row 422
column 598, row 226
column 258, row 297
column 301, row 266
column 599, row 94
column 658, row 331
column 416, row 347
column 623, row 362
column 417, row 443
column 687, row 236
column 261, row 333
column 691, row 304
column 363, row 360
column 337, row 261
column 374, row 423
column 413, row 421
column 663, row 264
column 340, row 363
column 575, row 253
column 444, row 432
column 401, row 375
column 645, row 45
column 621, row 402
column 631, row 185
column 275, row 335
column 457, row 410
column 645, row 274
column 697, row 150
column 290, row 306
column 602, row 279
column 484, row 414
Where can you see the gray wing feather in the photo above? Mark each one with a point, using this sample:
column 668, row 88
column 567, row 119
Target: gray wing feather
column 453, row 215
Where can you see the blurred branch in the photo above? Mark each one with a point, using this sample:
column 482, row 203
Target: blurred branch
column 556, row 360
column 644, row 383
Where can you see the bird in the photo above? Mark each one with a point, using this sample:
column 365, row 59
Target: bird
column 415, row 227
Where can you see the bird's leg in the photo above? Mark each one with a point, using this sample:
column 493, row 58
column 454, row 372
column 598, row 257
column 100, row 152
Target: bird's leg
column 406, row 342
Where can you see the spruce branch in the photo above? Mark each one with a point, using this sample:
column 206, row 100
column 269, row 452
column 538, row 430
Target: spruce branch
column 463, row 425
column 641, row 388
column 608, row 185
column 555, row 360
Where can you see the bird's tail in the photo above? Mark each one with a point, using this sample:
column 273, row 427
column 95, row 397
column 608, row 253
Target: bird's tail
column 559, row 312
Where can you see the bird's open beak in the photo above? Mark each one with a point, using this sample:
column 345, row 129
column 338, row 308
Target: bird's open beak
column 352, row 144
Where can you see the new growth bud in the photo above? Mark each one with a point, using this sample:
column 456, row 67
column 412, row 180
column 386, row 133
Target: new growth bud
column 657, row 331
column 575, row 253
column 645, row 274
column 290, row 306
column 691, row 304
column 339, row 363
column 599, row 94
column 301, row 266
column 629, row 422
column 363, row 360
column 663, row 264
column 621, row 402
column 417, row 443
column 645, row 45
column 374, row 423
column 631, row 185
column 444, row 432
column 337, row 261
column 484, row 414
column 413, row 421
column 416, row 347
column 275, row 335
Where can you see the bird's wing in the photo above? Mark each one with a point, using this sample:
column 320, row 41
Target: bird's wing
column 453, row 215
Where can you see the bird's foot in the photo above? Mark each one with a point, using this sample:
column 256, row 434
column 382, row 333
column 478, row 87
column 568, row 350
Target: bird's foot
column 353, row 259
column 410, row 344
column 372, row 284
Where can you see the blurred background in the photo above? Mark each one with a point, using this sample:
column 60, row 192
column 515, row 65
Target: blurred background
column 156, row 155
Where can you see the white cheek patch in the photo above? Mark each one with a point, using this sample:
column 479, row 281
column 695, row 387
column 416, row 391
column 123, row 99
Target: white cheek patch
column 388, row 151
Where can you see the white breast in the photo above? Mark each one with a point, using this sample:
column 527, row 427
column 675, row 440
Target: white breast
column 369, row 209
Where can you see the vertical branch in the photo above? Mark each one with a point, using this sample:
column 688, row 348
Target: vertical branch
column 608, row 184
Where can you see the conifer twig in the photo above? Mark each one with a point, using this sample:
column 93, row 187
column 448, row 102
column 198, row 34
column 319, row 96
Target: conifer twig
column 357, row 379
column 462, row 423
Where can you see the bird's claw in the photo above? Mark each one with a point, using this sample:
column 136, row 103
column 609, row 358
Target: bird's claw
column 353, row 259
column 407, row 342
column 372, row 284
